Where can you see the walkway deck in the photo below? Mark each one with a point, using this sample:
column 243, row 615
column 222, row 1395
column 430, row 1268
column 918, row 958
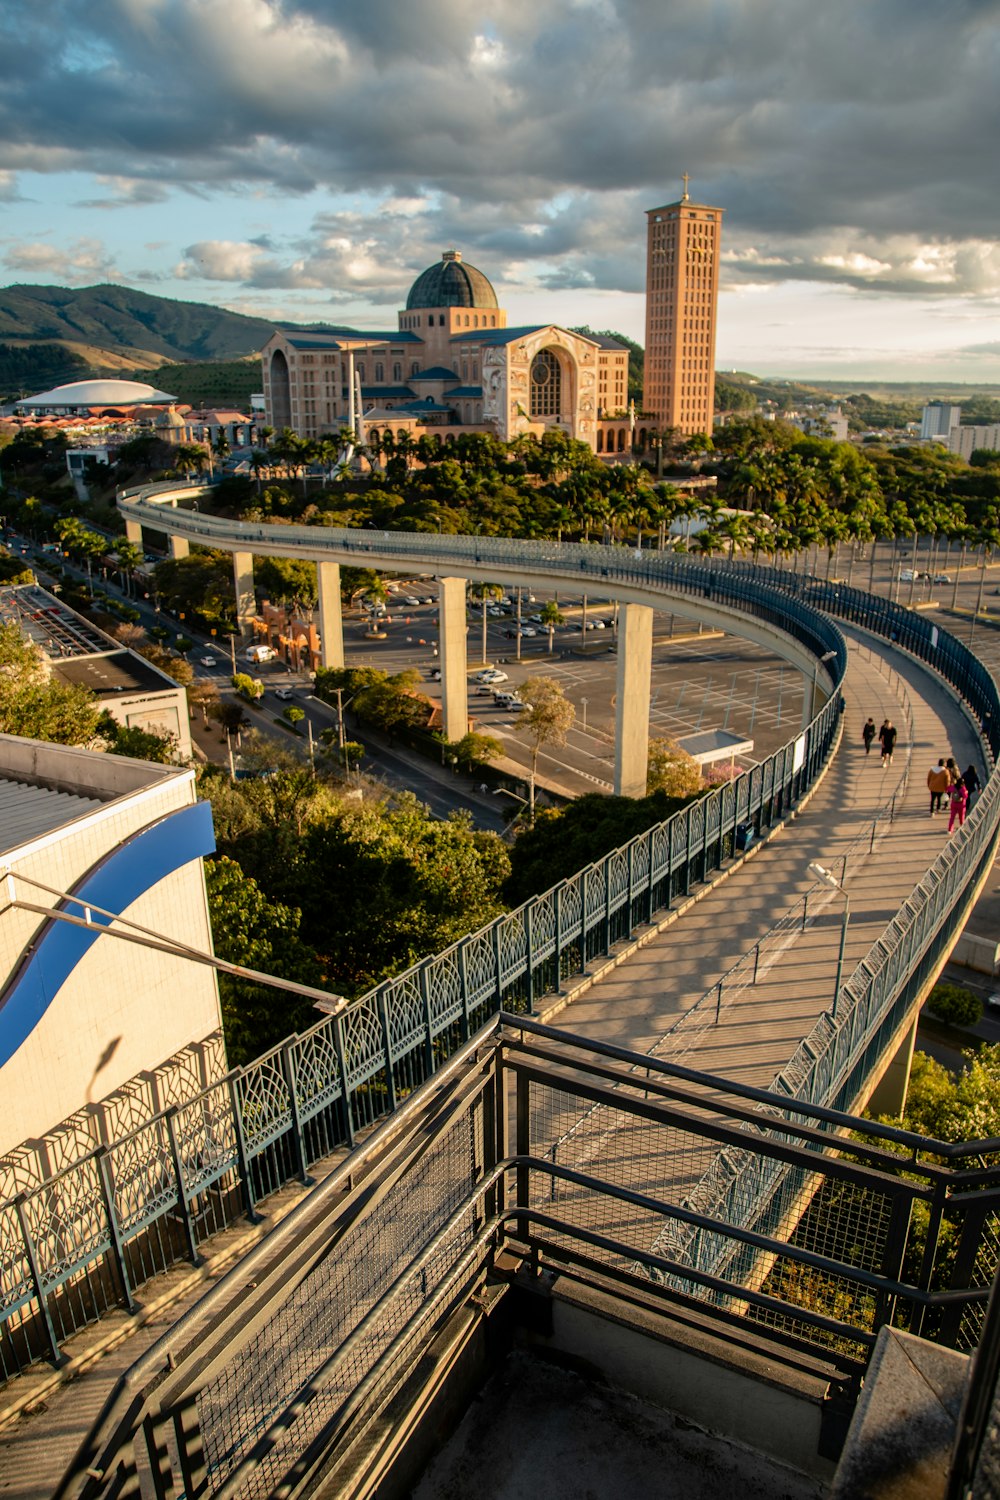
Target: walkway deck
column 635, row 1004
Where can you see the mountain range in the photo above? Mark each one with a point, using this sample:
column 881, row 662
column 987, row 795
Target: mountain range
column 116, row 327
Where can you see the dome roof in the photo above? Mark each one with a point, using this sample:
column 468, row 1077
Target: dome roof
column 169, row 418
column 451, row 284
column 98, row 393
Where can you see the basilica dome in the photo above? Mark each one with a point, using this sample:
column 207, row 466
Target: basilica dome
column 451, row 283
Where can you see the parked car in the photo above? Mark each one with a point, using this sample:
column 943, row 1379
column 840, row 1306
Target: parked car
column 257, row 654
column 434, row 675
column 528, row 630
column 907, row 575
column 942, row 578
column 491, row 674
column 412, row 601
column 507, row 700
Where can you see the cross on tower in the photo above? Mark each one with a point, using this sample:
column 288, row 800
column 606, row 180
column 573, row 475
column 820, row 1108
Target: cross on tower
column 685, row 177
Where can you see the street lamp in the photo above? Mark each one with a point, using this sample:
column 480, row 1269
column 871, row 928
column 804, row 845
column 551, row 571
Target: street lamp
column 828, row 878
column 819, row 662
column 583, row 703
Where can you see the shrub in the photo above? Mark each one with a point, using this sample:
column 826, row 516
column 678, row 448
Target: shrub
column 955, row 1005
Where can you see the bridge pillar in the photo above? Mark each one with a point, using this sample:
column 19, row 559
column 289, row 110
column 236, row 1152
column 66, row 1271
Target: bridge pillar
column 179, row 546
column 331, row 619
column 246, row 603
column 635, row 661
column 889, row 1094
column 454, row 660
column 133, row 532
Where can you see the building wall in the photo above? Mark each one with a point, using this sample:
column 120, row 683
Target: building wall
column 683, row 242
column 122, row 1008
column 938, row 418
column 965, row 440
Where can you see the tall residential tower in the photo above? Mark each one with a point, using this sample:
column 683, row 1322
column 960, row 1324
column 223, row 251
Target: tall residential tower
column 682, row 291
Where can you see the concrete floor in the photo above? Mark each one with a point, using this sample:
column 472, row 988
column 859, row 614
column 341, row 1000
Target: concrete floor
column 537, row 1429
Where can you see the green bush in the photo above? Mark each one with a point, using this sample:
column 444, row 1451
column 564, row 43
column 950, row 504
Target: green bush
column 955, row 1005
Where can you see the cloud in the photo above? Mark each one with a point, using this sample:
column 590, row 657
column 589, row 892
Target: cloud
column 85, row 261
column 850, row 145
column 126, row 192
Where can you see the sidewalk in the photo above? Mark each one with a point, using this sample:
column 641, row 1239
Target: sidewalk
column 637, row 1003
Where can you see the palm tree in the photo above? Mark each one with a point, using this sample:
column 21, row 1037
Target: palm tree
column 552, row 616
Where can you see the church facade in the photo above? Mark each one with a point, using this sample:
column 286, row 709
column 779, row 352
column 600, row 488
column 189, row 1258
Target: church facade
column 452, row 366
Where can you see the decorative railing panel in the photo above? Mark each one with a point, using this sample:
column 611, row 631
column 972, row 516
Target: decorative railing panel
column 354, row 1066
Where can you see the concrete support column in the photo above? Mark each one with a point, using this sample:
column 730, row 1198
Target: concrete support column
column 246, row 604
column 635, row 660
column 331, row 619
column 889, row 1094
column 133, row 532
column 179, row 546
column 453, row 657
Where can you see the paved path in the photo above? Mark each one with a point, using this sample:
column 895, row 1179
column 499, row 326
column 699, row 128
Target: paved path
column 635, row 1004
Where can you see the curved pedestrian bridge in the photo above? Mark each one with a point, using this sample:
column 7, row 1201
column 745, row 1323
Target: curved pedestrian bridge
column 680, row 940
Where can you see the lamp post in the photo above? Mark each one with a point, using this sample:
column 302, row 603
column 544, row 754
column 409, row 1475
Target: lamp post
column 819, row 662
column 828, row 878
column 583, row 704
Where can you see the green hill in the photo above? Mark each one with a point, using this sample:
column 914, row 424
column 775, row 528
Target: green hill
column 116, row 318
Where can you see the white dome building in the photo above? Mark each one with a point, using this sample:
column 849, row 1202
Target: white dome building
column 89, row 393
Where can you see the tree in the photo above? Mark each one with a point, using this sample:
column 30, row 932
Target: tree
column 552, row 616
column 251, row 689
column 476, row 750
column 955, row 1005
column 139, row 744
column 966, row 1108
column 36, row 707
column 251, row 930
column 546, row 719
column 294, row 715
column 671, row 770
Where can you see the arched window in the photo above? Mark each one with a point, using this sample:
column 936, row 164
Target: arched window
column 475, row 369
column 397, row 371
column 546, row 385
column 414, row 368
column 281, row 390
column 621, row 440
column 361, row 371
column 379, row 374
column 600, row 439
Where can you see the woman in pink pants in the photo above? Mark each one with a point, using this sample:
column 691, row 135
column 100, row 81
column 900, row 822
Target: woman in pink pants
column 959, row 801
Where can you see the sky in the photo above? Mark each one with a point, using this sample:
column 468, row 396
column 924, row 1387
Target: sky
column 305, row 160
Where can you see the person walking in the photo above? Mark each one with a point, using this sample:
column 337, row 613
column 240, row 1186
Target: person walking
column 887, row 739
column 972, row 782
column 938, row 782
column 868, row 734
column 958, row 804
column 953, row 772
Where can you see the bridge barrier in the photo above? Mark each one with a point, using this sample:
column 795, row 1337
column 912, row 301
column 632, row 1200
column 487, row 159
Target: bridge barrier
column 80, row 1242
column 83, row 1240
column 277, row 1380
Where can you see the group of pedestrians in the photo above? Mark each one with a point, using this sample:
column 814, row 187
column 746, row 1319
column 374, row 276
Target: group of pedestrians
column 946, row 780
column 887, row 736
column 943, row 779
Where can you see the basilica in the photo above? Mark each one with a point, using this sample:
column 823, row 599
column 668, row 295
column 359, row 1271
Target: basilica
column 452, row 366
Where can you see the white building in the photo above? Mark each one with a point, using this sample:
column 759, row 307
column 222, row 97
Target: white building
column 134, row 692
column 965, row 440
column 84, row 1013
column 937, row 419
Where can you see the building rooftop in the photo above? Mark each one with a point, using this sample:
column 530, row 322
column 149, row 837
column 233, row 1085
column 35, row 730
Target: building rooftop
column 108, row 676
column 28, row 811
column 451, row 283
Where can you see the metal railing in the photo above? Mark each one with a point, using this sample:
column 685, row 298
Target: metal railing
column 84, row 1240
column 295, row 1357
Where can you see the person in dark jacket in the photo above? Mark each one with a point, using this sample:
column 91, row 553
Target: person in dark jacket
column 868, row 734
column 972, row 783
column 887, row 739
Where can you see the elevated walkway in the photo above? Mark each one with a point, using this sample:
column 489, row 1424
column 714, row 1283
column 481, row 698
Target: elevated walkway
column 656, row 999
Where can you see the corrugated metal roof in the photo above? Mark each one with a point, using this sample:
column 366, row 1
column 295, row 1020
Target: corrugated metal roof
column 28, row 811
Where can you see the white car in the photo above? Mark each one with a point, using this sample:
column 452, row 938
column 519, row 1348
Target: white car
column 508, row 700
column 491, row 674
column 907, row 575
column 412, row 601
column 283, row 693
column 208, row 661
